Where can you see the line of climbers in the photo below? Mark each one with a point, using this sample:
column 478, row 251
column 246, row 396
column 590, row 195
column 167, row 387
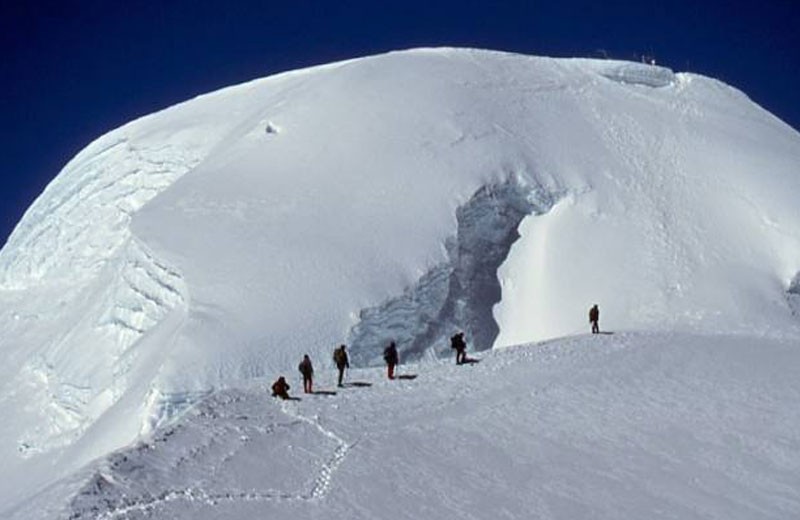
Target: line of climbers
column 280, row 388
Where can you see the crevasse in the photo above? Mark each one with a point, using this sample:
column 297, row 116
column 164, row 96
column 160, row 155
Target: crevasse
column 459, row 294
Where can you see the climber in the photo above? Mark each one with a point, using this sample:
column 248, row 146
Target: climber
column 307, row 369
column 457, row 342
column 594, row 317
column 280, row 388
column 341, row 361
column 391, row 358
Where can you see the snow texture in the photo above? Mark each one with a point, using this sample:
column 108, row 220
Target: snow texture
column 402, row 196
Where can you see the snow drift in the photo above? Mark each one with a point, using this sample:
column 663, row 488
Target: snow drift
column 402, row 196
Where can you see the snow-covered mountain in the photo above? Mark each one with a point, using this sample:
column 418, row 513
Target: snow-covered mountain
column 401, row 196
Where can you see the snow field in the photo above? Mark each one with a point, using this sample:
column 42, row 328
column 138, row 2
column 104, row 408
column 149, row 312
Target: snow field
column 610, row 426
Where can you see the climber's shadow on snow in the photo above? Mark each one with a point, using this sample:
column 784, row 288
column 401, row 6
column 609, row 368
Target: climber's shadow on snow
column 357, row 384
column 606, row 332
column 323, row 392
column 470, row 361
column 407, row 376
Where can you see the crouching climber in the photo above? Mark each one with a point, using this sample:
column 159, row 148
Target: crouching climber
column 280, row 388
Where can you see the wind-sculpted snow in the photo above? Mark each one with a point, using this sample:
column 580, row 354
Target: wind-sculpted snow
column 401, row 196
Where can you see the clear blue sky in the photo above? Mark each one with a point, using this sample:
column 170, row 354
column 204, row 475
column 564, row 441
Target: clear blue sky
column 72, row 71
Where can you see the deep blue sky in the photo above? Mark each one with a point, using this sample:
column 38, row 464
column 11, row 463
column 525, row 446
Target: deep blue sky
column 72, row 71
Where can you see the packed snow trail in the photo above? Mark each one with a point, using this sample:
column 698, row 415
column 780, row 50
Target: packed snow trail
column 610, row 426
column 322, row 484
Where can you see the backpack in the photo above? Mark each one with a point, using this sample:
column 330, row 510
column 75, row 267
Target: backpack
column 338, row 356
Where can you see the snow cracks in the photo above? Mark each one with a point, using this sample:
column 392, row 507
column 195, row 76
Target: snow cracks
column 459, row 294
column 145, row 290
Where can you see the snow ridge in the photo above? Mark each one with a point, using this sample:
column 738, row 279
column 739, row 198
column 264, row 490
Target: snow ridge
column 614, row 426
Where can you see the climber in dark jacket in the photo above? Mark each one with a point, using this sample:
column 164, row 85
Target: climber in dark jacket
column 594, row 317
column 460, row 346
column 307, row 370
column 341, row 361
column 391, row 357
column 280, row 388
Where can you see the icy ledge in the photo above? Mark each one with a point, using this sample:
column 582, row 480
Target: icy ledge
column 458, row 294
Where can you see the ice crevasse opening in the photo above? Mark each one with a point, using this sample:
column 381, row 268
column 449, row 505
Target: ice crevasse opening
column 459, row 294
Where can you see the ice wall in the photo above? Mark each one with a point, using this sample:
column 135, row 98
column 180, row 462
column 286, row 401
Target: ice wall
column 459, row 294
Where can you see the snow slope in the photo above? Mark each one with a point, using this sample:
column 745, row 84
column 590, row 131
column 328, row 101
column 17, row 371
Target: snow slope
column 625, row 426
column 400, row 196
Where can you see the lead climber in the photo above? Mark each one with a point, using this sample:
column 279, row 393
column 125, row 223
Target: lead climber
column 594, row 318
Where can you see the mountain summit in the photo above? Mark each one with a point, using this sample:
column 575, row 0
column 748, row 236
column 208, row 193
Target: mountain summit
column 401, row 196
